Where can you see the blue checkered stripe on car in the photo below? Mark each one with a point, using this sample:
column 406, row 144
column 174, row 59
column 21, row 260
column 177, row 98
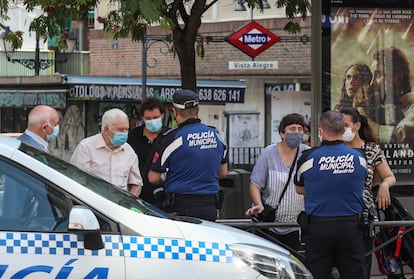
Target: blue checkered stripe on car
column 55, row 244
column 133, row 247
column 176, row 249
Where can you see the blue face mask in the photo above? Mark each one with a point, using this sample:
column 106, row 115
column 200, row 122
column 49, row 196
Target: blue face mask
column 153, row 125
column 119, row 139
column 293, row 140
column 54, row 134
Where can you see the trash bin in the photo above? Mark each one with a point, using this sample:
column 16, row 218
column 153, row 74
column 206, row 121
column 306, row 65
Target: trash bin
column 236, row 194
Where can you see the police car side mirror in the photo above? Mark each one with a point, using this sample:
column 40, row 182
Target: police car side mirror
column 83, row 221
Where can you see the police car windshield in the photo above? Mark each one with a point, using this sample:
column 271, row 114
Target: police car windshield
column 93, row 183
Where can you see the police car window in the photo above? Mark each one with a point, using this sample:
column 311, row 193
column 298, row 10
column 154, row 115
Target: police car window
column 26, row 203
column 95, row 184
column 30, row 203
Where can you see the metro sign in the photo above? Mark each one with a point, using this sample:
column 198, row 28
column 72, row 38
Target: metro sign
column 253, row 39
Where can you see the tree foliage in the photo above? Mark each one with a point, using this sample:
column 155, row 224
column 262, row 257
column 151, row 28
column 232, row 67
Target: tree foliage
column 52, row 22
column 181, row 17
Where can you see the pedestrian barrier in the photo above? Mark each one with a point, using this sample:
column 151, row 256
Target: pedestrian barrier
column 256, row 228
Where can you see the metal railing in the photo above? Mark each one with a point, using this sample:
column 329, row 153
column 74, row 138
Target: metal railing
column 243, row 157
column 250, row 226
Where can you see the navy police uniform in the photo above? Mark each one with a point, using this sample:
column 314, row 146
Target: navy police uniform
column 191, row 156
column 333, row 176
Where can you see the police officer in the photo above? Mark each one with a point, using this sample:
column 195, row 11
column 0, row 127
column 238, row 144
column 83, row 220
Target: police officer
column 332, row 179
column 193, row 156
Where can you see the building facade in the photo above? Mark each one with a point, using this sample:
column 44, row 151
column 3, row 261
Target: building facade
column 270, row 93
column 265, row 88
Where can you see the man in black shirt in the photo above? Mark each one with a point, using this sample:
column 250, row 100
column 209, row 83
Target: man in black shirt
column 143, row 138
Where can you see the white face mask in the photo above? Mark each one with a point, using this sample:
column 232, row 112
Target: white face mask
column 348, row 136
column 320, row 137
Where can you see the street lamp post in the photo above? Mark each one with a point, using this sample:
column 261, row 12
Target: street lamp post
column 144, row 66
column 37, row 57
column 35, row 64
column 147, row 42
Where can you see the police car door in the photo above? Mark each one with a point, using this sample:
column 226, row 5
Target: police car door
column 34, row 237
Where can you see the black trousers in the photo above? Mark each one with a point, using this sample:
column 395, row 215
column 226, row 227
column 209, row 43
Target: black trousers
column 335, row 243
column 199, row 207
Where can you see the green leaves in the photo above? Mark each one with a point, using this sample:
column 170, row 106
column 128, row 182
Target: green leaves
column 294, row 8
column 292, row 27
column 45, row 27
column 151, row 9
column 200, row 48
column 15, row 39
column 4, row 7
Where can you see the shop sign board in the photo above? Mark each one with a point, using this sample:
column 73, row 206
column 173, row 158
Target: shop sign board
column 32, row 98
column 253, row 39
column 206, row 94
column 104, row 89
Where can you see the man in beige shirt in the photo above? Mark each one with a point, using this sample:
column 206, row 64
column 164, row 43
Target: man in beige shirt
column 107, row 154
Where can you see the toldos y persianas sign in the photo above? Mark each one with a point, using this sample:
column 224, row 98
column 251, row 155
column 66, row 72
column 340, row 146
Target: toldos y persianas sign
column 133, row 93
column 104, row 92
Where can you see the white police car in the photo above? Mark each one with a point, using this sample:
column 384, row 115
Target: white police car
column 57, row 221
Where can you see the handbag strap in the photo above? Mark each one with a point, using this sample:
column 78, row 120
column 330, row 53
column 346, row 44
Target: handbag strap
column 292, row 166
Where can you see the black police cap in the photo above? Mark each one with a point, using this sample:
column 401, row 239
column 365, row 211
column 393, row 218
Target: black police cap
column 184, row 99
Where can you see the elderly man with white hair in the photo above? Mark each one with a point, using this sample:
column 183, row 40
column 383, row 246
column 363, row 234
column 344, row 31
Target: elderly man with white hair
column 108, row 155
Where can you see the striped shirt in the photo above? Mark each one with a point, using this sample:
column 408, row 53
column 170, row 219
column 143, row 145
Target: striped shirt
column 270, row 175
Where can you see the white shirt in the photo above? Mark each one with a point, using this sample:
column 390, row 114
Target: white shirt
column 38, row 139
column 118, row 166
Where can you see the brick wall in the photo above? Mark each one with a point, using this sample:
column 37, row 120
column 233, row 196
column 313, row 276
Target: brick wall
column 294, row 57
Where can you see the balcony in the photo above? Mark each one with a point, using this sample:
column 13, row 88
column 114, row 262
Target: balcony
column 76, row 63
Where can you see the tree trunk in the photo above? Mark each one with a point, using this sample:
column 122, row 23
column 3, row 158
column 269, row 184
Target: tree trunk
column 184, row 38
column 184, row 46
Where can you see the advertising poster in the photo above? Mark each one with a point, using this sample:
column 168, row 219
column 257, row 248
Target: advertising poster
column 243, row 129
column 371, row 68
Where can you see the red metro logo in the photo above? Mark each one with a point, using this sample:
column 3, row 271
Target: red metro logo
column 253, row 39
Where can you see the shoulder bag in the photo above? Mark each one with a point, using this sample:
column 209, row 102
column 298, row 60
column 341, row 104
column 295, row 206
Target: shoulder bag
column 268, row 214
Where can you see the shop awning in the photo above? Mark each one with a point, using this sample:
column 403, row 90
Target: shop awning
column 130, row 89
column 30, row 98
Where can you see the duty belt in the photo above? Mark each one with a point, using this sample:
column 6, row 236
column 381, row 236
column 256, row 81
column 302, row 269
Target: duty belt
column 324, row 219
column 210, row 197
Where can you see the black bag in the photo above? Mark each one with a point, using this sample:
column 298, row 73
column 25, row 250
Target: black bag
column 267, row 215
column 394, row 246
